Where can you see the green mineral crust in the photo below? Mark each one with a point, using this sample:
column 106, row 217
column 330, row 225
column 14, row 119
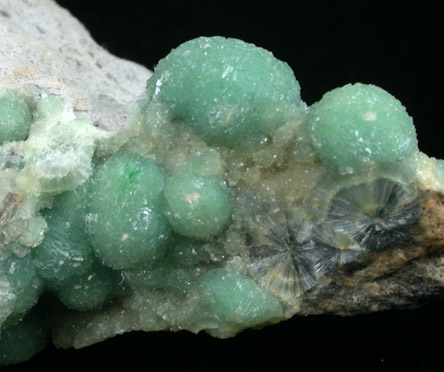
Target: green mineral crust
column 223, row 203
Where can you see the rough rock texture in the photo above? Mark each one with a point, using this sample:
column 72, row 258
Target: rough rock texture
column 42, row 44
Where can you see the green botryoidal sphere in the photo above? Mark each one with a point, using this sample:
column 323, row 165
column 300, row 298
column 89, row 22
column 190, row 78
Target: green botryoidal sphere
column 126, row 223
column 360, row 124
column 198, row 207
column 91, row 290
column 25, row 283
column 236, row 299
column 15, row 118
column 229, row 92
column 22, row 340
column 65, row 250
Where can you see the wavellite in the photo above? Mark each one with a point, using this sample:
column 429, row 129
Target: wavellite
column 221, row 202
column 15, row 118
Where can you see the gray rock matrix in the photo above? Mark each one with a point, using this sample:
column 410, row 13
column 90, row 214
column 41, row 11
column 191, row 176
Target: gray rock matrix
column 43, row 44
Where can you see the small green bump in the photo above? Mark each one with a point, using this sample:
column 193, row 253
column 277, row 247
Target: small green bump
column 125, row 222
column 65, row 250
column 25, row 283
column 360, row 124
column 22, row 341
column 237, row 300
column 15, row 118
column 198, row 207
column 51, row 107
column 91, row 290
column 229, row 92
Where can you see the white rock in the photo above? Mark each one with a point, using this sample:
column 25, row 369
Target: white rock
column 43, row 44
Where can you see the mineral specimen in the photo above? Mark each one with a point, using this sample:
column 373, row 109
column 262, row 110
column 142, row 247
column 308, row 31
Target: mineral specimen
column 222, row 202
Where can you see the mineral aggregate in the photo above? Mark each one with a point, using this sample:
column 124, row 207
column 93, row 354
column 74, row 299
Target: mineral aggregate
column 229, row 92
column 358, row 124
column 208, row 198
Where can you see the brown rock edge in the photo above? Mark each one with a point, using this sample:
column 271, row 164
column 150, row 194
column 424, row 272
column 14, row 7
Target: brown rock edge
column 401, row 277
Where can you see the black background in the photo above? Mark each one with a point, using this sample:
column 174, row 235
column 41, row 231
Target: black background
column 330, row 44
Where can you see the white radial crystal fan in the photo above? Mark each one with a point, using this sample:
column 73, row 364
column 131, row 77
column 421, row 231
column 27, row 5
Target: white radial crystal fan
column 332, row 248
column 377, row 214
column 279, row 253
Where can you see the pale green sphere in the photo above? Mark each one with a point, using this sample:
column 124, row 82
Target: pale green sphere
column 91, row 290
column 198, row 206
column 237, row 300
column 25, row 283
column 229, row 92
column 126, row 224
column 360, row 124
column 15, row 118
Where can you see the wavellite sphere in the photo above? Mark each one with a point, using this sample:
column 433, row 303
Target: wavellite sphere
column 27, row 286
column 65, row 250
column 90, row 290
column 236, row 299
column 126, row 223
column 360, row 124
column 15, row 118
column 254, row 209
column 198, row 206
column 229, row 92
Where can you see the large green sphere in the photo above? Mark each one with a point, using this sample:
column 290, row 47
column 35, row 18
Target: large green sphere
column 230, row 92
column 91, row 290
column 360, row 124
column 26, row 285
column 237, row 300
column 198, row 207
column 15, row 118
column 125, row 222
